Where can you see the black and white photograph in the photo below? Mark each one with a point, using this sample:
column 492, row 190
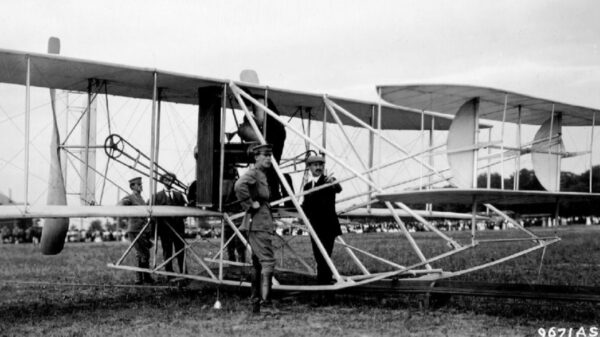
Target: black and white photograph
column 300, row 168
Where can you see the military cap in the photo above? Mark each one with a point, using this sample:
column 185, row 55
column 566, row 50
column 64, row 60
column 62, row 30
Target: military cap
column 261, row 148
column 136, row 180
column 315, row 159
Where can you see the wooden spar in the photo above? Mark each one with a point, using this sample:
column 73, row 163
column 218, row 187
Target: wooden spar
column 296, row 255
column 152, row 183
column 120, row 260
column 502, row 145
column 509, row 219
column 429, row 207
column 592, row 148
column 238, row 92
column 155, row 151
column 222, row 145
column 473, row 219
column 88, row 137
column 222, row 248
column 194, row 254
column 379, row 108
column 27, row 127
column 158, row 119
column 542, row 244
column 476, row 141
column 407, row 235
column 237, row 232
column 489, row 167
column 324, row 135
column 421, row 137
column 353, row 256
column 375, row 257
column 518, row 158
column 371, row 148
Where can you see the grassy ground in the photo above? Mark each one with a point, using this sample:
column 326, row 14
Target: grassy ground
column 38, row 298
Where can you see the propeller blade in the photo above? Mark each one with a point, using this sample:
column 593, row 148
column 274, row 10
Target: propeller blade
column 55, row 230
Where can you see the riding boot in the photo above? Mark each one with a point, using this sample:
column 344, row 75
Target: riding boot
column 255, row 295
column 266, row 284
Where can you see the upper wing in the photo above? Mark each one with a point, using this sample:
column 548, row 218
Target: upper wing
column 59, row 72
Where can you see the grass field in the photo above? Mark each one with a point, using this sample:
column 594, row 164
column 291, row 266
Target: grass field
column 74, row 294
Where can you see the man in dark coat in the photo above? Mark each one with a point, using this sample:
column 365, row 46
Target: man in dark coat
column 319, row 207
column 168, row 239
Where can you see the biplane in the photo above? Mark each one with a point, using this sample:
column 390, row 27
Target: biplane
column 372, row 163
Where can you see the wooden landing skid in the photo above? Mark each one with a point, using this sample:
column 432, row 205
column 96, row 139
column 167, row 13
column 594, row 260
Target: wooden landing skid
column 217, row 270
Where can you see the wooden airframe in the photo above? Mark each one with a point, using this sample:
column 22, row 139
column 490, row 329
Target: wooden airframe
column 216, row 99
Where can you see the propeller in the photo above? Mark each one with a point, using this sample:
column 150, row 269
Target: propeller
column 55, row 230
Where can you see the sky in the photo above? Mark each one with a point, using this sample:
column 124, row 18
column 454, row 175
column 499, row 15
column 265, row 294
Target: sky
column 549, row 49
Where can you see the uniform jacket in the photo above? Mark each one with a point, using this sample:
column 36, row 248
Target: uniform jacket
column 319, row 207
column 178, row 199
column 253, row 186
column 134, row 225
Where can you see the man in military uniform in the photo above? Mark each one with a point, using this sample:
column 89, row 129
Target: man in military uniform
column 134, row 227
column 252, row 189
column 319, row 207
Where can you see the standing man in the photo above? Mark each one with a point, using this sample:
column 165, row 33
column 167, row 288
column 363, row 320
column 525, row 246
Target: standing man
column 319, row 208
column 134, row 227
column 168, row 239
column 252, row 189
